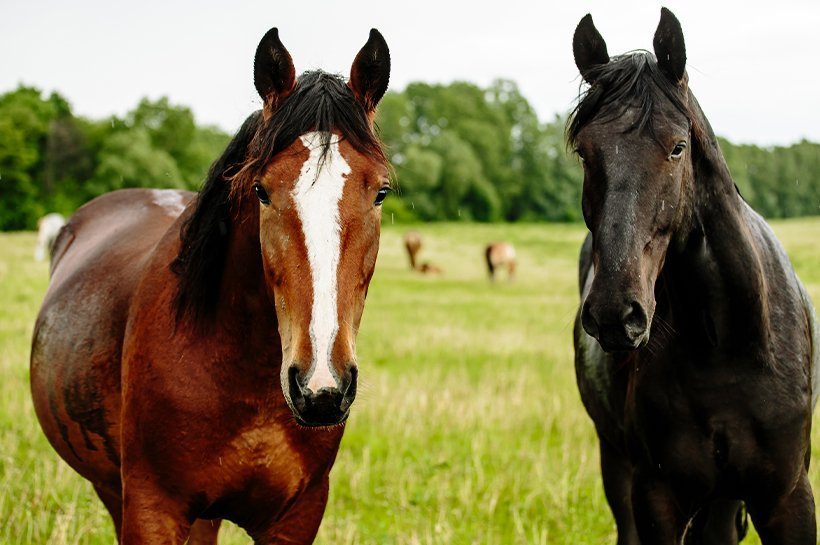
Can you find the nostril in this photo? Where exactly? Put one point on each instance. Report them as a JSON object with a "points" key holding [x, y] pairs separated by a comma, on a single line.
{"points": [[297, 396], [634, 319], [349, 389], [588, 320]]}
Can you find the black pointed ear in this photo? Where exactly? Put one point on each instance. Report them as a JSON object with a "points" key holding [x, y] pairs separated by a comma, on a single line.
{"points": [[589, 47], [669, 47], [273, 73], [370, 72]]}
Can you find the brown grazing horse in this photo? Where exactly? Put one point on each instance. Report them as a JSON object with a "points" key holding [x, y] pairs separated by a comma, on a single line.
{"points": [[500, 255], [412, 243], [194, 357], [696, 346]]}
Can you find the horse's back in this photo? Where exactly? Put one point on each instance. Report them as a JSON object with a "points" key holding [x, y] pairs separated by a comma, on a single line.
{"points": [[789, 300], [98, 260]]}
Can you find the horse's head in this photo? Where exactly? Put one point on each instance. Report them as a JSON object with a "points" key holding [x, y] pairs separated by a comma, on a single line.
{"points": [[320, 176], [633, 132]]}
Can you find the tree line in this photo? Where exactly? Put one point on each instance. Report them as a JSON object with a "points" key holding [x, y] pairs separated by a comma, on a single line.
{"points": [[54, 161], [459, 152]]}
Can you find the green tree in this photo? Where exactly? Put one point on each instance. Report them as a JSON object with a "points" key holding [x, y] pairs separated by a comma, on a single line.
{"points": [[128, 159], [419, 175], [172, 129], [25, 121]]}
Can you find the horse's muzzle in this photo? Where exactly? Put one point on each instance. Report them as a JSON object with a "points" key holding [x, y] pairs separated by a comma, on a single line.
{"points": [[328, 406], [618, 329]]}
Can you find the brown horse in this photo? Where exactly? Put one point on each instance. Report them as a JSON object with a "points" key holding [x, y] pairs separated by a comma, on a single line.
{"points": [[696, 345], [412, 243], [194, 357], [500, 255]]}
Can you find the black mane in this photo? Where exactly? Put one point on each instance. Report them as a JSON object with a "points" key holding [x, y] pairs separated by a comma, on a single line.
{"points": [[320, 102], [629, 80]]}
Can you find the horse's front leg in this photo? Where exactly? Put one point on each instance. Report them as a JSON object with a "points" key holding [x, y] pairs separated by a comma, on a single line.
{"points": [[299, 524], [789, 520], [616, 471], [150, 516], [720, 522], [659, 518]]}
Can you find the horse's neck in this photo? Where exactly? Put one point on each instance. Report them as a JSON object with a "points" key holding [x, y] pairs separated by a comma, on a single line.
{"points": [[244, 300], [722, 262]]}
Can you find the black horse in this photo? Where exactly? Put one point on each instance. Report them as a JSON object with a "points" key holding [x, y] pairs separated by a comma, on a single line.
{"points": [[696, 346]]}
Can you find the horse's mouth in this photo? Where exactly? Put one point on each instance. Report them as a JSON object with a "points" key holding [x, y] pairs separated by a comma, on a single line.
{"points": [[326, 423], [317, 415], [621, 343]]}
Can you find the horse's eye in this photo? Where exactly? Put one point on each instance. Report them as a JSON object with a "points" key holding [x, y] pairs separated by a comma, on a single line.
{"points": [[678, 150], [261, 194], [381, 195], [580, 155]]}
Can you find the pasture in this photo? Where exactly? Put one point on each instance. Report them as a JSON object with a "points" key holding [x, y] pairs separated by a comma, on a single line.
{"points": [[467, 429]]}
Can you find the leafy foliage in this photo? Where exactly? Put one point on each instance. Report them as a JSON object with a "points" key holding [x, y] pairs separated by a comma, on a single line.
{"points": [[465, 153], [460, 152], [52, 161]]}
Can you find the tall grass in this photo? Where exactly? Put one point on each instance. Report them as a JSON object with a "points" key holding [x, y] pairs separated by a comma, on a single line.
{"points": [[468, 427]]}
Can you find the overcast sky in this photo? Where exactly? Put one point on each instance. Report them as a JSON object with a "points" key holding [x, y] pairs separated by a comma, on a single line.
{"points": [[753, 65]]}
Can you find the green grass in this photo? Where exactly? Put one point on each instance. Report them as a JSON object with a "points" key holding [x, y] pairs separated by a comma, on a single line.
{"points": [[468, 427]]}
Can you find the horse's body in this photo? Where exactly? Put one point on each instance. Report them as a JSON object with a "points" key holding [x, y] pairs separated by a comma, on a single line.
{"points": [[500, 255], [179, 355], [48, 227], [696, 345]]}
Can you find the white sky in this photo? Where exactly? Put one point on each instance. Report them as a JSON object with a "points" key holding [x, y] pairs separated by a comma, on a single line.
{"points": [[753, 65]]}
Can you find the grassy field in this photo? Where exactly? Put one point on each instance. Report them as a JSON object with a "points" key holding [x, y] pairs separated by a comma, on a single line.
{"points": [[468, 428]]}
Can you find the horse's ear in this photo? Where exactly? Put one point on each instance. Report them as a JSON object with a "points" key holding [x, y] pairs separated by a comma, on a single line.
{"points": [[370, 72], [669, 47], [273, 73], [589, 47]]}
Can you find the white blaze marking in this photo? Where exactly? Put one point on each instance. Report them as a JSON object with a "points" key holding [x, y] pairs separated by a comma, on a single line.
{"points": [[317, 194], [169, 199]]}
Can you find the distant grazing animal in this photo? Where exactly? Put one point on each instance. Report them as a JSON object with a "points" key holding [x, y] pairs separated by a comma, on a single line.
{"points": [[430, 268], [500, 255], [696, 346], [194, 357], [412, 242], [47, 229]]}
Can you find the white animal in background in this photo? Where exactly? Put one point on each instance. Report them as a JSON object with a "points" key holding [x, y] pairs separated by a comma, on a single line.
{"points": [[47, 229]]}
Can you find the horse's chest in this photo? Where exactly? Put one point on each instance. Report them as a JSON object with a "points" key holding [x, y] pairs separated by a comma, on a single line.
{"points": [[278, 454], [676, 428], [266, 467], [704, 425]]}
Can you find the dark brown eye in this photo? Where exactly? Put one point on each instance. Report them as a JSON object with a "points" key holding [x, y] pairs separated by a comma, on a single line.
{"points": [[261, 194], [677, 150], [381, 195]]}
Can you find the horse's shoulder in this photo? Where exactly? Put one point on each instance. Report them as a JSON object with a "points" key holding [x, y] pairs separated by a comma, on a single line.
{"points": [[601, 383]]}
